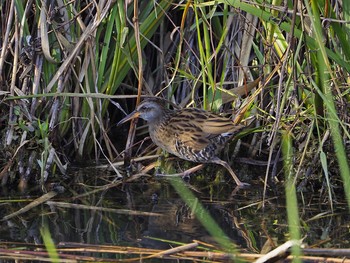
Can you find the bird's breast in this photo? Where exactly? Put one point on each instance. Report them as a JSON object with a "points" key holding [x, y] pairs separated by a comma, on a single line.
{"points": [[163, 138]]}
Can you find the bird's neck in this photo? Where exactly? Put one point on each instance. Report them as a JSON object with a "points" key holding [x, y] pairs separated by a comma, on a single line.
{"points": [[162, 119]]}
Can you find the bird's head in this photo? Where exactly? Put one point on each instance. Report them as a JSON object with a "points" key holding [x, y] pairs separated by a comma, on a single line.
{"points": [[151, 110]]}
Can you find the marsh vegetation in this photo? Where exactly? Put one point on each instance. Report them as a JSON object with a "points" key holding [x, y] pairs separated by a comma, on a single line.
{"points": [[69, 71]]}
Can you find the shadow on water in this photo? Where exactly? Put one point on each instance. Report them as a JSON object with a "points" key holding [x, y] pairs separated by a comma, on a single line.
{"points": [[148, 212]]}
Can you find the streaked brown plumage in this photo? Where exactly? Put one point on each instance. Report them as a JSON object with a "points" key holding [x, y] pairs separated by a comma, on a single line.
{"points": [[192, 134]]}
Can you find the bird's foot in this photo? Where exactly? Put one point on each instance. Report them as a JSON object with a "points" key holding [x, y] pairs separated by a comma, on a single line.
{"points": [[239, 187]]}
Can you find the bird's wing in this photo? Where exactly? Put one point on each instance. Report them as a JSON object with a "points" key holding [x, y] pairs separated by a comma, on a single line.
{"points": [[195, 128]]}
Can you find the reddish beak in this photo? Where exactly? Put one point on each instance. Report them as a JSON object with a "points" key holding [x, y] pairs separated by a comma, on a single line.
{"points": [[133, 115]]}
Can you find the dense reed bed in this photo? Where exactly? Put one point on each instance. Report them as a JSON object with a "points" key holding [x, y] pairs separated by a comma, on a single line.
{"points": [[70, 70]]}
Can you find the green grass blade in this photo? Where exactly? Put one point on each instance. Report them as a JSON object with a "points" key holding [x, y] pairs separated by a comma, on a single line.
{"points": [[291, 197]]}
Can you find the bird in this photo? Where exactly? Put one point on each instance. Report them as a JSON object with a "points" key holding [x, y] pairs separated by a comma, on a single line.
{"points": [[191, 134]]}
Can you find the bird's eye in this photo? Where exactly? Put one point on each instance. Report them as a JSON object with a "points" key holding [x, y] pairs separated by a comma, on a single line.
{"points": [[145, 108]]}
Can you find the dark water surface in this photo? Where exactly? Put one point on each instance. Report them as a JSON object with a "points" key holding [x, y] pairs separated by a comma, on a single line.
{"points": [[241, 215]]}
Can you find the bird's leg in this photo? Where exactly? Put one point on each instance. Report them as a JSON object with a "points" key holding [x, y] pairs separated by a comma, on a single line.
{"points": [[226, 165], [192, 170], [188, 171]]}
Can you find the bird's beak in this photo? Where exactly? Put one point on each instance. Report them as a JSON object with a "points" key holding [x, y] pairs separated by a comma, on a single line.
{"points": [[133, 115]]}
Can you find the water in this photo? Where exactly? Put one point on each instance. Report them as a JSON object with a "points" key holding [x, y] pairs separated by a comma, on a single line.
{"points": [[147, 212]]}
